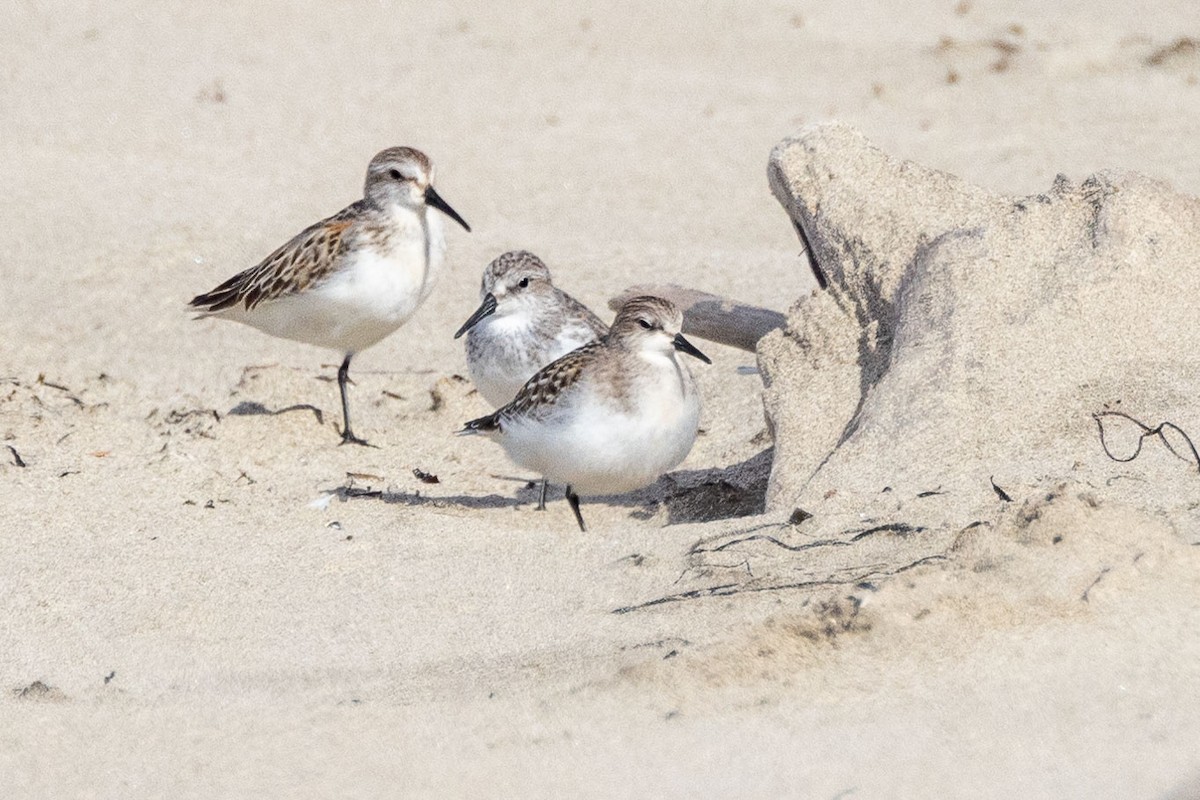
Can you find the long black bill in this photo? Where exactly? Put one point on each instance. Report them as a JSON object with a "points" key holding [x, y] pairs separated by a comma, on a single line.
{"points": [[684, 346], [487, 307], [434, 199]]}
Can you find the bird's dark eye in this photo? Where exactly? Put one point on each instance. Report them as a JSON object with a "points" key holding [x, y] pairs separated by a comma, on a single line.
{"points": [[395, 175], [523, 283], [645, 324]]}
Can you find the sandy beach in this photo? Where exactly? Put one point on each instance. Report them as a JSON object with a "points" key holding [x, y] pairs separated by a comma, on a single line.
{"points": [[204, 598]]}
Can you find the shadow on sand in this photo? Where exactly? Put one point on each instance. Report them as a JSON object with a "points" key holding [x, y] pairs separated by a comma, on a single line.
{"points": [[688, 496]]}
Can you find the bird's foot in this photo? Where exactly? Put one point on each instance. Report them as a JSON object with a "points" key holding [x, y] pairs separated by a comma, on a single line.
{"points": [[348, 437]]}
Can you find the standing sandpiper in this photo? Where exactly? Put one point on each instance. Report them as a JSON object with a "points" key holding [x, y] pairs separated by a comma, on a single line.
{"points": [[523, 323], [349, 280], [611, 416]]}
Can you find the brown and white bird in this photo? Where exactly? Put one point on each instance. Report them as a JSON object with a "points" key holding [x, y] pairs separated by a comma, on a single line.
{"points": [[351, 279], [611, 416]]}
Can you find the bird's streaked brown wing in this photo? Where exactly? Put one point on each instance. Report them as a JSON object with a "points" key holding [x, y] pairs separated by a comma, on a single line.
{"points": [[308, 258], [541, 392]]}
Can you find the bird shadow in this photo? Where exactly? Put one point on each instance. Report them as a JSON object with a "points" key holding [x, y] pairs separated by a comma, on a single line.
{"points": [[702, 495], [249, 408], [418, 500], [716, 493], [698, 495]]}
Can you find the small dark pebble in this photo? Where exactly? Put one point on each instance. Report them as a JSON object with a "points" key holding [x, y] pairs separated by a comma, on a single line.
{"points": [[798, 516]]}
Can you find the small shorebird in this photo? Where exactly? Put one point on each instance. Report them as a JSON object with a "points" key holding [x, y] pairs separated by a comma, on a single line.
{"points": [[523, 323], [611, 416], [351, 279]]}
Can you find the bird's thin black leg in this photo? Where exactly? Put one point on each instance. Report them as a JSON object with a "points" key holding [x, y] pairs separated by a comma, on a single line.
{"points": [[541, 506], [573, 499], [348, 436]]}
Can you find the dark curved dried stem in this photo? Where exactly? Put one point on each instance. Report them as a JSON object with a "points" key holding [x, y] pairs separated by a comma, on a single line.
{"points": [[1147, 432]]}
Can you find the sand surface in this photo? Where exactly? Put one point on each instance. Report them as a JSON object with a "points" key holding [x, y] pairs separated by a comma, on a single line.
{"points": [[203, 600]]}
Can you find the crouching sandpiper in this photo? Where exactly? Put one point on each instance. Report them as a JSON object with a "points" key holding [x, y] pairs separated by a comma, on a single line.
{"points": [[611, 416]]}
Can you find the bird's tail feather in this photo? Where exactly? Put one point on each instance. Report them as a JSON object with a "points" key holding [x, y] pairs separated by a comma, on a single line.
{"points": [[482, 426]]}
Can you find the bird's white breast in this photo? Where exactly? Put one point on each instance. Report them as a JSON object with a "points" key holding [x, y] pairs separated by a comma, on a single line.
{"points": [[381, 281]]}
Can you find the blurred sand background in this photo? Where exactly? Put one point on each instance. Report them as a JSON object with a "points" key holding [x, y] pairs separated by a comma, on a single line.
{"points": [[195, 603]]}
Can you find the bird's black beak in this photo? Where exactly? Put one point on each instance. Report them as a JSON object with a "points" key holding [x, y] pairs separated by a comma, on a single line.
{"points": [[487, 307], [434, 199], [683, 345]]}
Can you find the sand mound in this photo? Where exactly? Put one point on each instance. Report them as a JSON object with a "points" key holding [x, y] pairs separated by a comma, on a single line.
{"points": [[967, 341]]}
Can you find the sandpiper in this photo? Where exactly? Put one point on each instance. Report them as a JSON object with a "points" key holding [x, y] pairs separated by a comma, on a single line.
{"points": [[611, 416], [351, 279], [522, 324]]}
